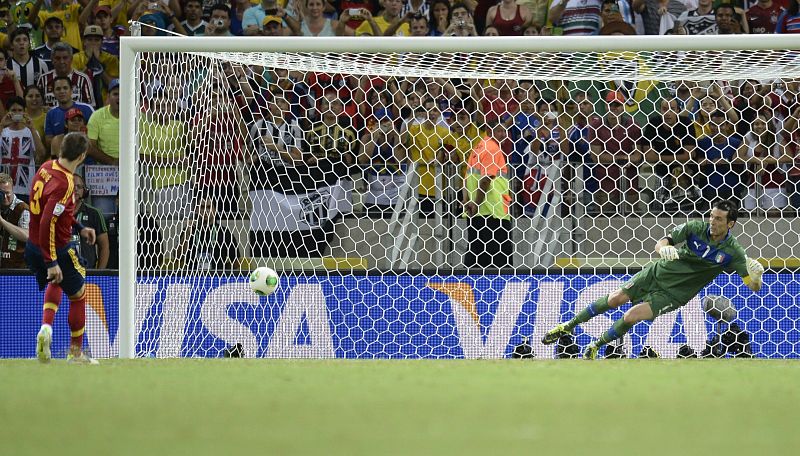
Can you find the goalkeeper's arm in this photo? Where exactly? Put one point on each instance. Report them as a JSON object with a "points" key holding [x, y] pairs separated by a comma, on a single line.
{"points": [[666, 250], [754, 271]]}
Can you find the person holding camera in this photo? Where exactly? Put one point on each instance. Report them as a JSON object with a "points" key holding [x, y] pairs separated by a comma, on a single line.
{"points": [[219, 24], [461, 22], [21, 147], [362, 14]]}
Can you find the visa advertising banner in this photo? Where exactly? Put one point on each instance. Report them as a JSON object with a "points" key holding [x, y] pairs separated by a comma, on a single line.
{"points": [[386, 316]]}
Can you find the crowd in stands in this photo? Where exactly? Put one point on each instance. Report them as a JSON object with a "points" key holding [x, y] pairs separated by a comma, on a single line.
{"points": [[635, 147]]}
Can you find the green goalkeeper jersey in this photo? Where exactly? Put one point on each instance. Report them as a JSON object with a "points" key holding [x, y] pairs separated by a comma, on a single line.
{"points": [[701, 260]]}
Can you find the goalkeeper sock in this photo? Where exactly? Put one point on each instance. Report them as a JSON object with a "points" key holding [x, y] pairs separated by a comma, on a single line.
{"points": [[52, 298], [617, 330], [77, 320], [593, 309]]}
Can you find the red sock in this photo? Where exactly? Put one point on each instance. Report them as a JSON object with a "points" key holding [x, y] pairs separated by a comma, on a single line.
{"points": [[52, 298], [77, 320]]}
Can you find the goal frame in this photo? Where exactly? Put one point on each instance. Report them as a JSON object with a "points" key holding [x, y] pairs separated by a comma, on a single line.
{"points": [[130, 46]]}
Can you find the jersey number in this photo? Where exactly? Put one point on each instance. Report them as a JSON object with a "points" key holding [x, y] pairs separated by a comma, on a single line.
{"points": [[36, 209]]}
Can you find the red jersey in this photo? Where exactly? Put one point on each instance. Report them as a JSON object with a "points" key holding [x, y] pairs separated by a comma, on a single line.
{"points": [[52, 209], [82, 90], [764, 20]]}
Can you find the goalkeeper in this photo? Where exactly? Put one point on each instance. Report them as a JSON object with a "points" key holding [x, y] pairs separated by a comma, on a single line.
{"points": [[669, 283]]}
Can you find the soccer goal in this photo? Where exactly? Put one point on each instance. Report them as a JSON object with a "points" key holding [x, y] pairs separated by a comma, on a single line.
{"points": [[346, 165]]}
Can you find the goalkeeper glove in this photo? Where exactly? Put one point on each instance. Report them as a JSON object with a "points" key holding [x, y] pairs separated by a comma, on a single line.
{"points": [[668, 252], [754, 268]]}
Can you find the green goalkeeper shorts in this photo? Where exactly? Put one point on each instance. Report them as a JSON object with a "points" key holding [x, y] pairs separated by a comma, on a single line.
{"points": [[642, 287]]}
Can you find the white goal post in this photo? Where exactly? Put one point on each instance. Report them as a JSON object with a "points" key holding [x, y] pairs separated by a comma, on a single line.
{"points": [[511, 59]]}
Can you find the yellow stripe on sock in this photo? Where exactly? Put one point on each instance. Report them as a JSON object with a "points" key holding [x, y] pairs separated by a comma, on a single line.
{"points": [[78, 332], [51, 305]]}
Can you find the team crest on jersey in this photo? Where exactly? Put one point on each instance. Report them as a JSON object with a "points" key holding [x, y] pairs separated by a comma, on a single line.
{"points": [[59, 209], [720, 258]]}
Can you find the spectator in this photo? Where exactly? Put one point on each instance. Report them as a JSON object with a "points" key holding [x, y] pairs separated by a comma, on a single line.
{"points": [[416, 7], [96, 255], [34, 107], [9, 87], [538, 9], [68, 13], [789, 20], [508, 18], [381, 157], [254, 16], [278, 143], [486, 200], [149, 241], [617, 27], [21, 148], [162, 154], [74, 123], [659, 15], [669, 145], [80, 83], [272, 26], [616, 10], [238, 8], [701, 20], [425, 145], [717, 153], [193, 24], [100, 65], [220, 22], [14, 218], [53, 32], [217, 149], [546, 151], [769, 160], [615, 147], [26, 67], [391, 14], [417, 24], [438, 17], [727, 23], [103, 132], [713, 100], [333, 144], [315, 23], [54, 123], [461, 22], [579, 148], [576, 17], [111, 31], [762, 17], [206, 244]]}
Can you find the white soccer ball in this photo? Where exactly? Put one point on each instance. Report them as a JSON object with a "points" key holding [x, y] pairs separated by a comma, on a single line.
{"points": [[264, 281]]}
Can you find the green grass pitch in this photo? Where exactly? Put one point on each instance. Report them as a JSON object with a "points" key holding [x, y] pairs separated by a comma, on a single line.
{"points": [[331, 407]]}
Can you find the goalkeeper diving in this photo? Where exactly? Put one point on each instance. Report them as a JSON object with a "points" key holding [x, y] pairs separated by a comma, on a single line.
{"points": [[669, 283]]}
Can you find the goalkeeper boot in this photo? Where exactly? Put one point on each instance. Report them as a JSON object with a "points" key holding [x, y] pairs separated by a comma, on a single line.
{"points": [[80, 357], [553, 335], [591, 351], [43, 340]]}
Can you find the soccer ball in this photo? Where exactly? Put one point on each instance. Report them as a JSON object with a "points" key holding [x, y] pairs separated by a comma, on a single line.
{"points": [[719, 308], [263, 281]]}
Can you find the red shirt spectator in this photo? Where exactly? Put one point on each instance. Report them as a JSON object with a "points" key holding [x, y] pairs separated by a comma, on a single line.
{"points": [[763, 16]]}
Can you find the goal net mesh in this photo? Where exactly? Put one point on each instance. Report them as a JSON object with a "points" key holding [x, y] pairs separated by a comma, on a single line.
{"points": [[346, 173]]}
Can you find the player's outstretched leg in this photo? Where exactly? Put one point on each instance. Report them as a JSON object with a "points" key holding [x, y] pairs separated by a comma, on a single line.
{"points": [[77, 323], [593, 309], [634, 315]]}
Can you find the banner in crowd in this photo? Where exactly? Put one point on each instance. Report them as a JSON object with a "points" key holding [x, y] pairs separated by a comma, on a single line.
{"points": [[103, 180], [385, 316]]}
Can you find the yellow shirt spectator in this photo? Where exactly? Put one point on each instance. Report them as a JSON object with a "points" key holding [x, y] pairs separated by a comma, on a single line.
{"points": [[103, 128], [383, 24], [424, 142], [69, 15], [166, 141]]}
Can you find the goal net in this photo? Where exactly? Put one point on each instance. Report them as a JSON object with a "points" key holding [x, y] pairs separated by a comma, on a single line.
{"points": [[352, 174]]}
